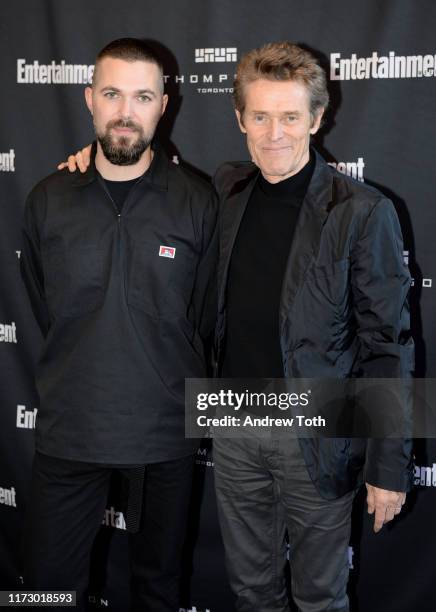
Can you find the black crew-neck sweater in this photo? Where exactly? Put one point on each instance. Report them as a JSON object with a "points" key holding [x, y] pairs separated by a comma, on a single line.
{"points": [[257, 267], [119, 190]]}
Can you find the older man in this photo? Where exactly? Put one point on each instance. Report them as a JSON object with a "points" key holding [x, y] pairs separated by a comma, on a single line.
{"points": [[311, 284], [118, 263]]}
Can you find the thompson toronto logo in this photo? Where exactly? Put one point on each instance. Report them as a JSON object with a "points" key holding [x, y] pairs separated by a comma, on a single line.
{"points": [[8, 332], [54, 73], [375, 66], [7, 161], [216, 54], [216, 80], [426, 283], [203, 458], [98, 601]]}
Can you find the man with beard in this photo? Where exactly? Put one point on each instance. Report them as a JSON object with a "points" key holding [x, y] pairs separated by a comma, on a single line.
{"points": [[118, 264]]}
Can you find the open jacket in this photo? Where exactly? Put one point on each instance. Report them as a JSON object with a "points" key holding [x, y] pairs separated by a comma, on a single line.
{"points": [[343, 309]]}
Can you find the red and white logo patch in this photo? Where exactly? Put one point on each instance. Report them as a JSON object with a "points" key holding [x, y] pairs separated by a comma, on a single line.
{"points": [[166, 251]]}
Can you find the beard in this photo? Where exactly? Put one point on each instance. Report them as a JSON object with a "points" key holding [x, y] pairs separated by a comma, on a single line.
{"points": [[121, 151]]}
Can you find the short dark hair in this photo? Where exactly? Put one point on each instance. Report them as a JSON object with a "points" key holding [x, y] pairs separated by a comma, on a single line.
{"points": [[282, 61], [130, 50]]}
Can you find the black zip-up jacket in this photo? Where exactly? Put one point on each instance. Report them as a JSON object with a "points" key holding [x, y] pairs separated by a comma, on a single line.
{"points": [[125, 302], [343, 309]]}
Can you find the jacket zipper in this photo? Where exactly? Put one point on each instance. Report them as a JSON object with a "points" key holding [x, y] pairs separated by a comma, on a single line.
{"points": [[119, 217], [120, 253]]}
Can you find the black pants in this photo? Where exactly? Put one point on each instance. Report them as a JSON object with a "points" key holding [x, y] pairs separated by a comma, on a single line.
{"points": [[263, 489], [66, 509]]}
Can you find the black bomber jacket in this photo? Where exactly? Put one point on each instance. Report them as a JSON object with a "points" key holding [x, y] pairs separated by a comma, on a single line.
{"points": [[125, 302], [343, 310]]}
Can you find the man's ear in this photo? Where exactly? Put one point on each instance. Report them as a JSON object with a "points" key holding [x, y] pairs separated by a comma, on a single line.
{"points": [[317, 122], [240, 121], [164, 103], [88, 98]]}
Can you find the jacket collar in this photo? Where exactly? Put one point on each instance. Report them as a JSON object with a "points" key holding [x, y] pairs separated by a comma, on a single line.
{"points": [[156, 175], [313, 214], [305, 245], [233, 210], [320, 190]]}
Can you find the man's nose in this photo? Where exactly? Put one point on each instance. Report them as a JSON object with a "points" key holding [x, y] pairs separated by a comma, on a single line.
{"points": [[125, 108], [276, 129]]}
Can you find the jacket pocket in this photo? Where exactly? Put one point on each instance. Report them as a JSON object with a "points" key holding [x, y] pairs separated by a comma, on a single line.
{"points": [[160, 286], [331, 269], [73, 280], [328, 284]]}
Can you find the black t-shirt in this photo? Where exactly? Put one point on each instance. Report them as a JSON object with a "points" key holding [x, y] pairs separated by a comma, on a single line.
{"points": [[257, 267], [119, 190]]}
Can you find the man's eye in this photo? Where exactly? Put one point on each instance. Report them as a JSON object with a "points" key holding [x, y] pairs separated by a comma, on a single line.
{"points": [[259, 118], [110, 94], [290, 118], [144, 98]]}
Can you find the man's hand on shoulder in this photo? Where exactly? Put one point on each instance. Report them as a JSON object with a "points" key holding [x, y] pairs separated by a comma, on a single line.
{"points": [[80, 160], [385, 504]]}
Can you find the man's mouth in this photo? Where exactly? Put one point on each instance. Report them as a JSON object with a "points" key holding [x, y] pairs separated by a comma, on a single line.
{"points": [[276, 149], [123, 130]]}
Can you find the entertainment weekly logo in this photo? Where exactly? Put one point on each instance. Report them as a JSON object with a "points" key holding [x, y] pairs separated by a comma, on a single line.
{"points": [[7, 161], [350, 168], [425, 476], [114, 518], [58, 72], [375, 66], [8, 497], [8, 333], [25, 419]]}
